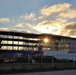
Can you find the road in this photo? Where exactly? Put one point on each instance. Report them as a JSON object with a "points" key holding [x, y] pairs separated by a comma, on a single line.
{"points": [[65, 72]]}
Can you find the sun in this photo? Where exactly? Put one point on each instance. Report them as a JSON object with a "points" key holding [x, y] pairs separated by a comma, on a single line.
{"points": [[46, 40]]}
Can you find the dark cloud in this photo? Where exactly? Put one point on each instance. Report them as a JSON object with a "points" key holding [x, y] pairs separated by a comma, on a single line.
{"points": [[71, 26], [72, 32], [69, 29]]}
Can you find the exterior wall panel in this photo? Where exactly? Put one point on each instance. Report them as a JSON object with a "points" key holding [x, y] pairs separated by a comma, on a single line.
{"points": [[72, 46]]}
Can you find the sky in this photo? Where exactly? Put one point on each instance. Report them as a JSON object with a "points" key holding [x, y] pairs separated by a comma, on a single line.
{"points": [[56, 17]]}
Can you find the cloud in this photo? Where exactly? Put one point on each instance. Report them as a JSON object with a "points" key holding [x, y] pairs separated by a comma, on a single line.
{"points": [[4, 19], [72, 33], [57, 27], [49, 10], [58, 21], [46, 26], [61, 25], [49, 26], [20, 25], [22, 31], [70, 13], [28, 16], [4, 29], [43, 29], [41, 17], [71, 25], [69, 29], [69, 33], [14, 30], [32, 26]]}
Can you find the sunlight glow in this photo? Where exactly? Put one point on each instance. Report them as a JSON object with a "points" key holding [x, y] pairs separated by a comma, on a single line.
{"points": [[46, 40], [48, 29]]}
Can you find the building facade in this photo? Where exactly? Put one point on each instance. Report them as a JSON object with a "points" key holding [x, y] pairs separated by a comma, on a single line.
{"points": [[10, 40]]}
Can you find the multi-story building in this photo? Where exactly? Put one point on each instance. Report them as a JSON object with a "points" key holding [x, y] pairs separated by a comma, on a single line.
{"points": [[11, 40]]}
